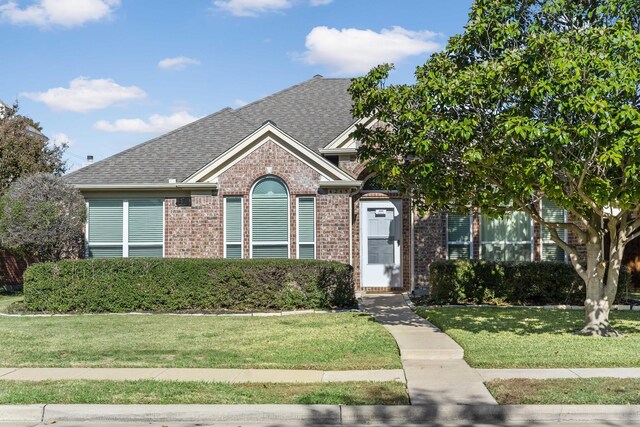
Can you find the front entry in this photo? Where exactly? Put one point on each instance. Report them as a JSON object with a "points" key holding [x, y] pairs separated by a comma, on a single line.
{"points": [[380, 243]]}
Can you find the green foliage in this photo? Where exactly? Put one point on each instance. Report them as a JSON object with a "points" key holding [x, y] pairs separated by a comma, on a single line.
{"points": [[156, 284], [23, 149], [527, 283], [42, 217], [537, 98]]}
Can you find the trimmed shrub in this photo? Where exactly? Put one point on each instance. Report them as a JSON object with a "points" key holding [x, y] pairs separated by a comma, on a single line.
{"points": [[525, 283], [162, 285]]}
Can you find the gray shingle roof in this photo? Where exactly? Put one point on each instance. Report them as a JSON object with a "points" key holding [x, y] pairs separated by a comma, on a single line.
{"points": [[314, 112]]}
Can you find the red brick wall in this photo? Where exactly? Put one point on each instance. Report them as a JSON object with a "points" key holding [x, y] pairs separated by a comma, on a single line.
{"points": [[11, 268], [197, 230], [430, 244], [193, 227]]}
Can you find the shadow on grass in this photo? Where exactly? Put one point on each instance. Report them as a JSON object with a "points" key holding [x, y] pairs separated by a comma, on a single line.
{"points": [[521, 321]]}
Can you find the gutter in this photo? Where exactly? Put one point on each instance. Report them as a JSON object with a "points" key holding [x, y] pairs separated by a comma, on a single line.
{"points": [[338, 151], [147, 187], [341, 184]]}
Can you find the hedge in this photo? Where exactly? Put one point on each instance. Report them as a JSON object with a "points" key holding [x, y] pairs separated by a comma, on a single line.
{"points": [[191, 285], [525, 283]]}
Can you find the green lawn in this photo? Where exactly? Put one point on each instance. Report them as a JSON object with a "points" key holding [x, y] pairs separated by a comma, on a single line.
{"points": [[7, 299], [494, 337], [174, 392], [582, 391], [337, 341]]}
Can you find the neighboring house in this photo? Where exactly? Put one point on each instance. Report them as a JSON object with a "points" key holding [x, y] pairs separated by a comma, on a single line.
{"points": [[279, 178]]}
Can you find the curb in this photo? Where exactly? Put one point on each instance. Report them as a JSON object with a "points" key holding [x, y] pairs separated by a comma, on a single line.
{"points": [[320, 414]]}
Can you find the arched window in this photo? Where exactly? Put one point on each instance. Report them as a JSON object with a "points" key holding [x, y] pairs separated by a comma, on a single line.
{"points": [[270, 219]]}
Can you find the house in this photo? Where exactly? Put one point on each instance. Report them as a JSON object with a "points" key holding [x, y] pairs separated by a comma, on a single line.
{"points": [[279, 178]]}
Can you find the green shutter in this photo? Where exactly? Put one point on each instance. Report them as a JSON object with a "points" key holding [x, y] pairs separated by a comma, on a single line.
{"points": [[105, 251], [270, 251], [145, 221], [552, 213], [233, 227], [145, 251], [458, 251], [458, 228], [105, 221], [513, 227], [233, 219], [306, 220], [234, 251], [552, 252], [306, 251], [306, 227]]}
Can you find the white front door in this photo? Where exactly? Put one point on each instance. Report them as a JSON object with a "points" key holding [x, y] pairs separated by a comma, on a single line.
{"points": [[380, 242]]}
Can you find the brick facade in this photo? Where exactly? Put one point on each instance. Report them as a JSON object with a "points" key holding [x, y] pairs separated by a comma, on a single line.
{"points": [[194, 226], [12, 267]]}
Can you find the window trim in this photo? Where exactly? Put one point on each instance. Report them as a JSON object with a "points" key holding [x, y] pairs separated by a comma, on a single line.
{"points": [[454, 242], [226, 242], [270, 243], [531, 241], [315, 227], [125, 228]]}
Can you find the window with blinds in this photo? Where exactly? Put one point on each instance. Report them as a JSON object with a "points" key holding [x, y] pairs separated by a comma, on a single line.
{"points": [[506, 239], [552, 213], [306, 228], [125, 228], [270, 219], [459, 236], [105, 228], [233, 227]]}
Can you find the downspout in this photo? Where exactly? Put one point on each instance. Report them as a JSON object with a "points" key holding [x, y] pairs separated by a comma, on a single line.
{"points": [[351, 194], [413, 249]]}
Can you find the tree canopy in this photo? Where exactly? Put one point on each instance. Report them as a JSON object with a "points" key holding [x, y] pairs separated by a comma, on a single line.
{"points": [[536, 98], [43, 217], [23, 148]]}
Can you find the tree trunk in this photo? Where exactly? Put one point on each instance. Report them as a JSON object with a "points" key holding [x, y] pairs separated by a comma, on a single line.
{"points": [[600, 294]]}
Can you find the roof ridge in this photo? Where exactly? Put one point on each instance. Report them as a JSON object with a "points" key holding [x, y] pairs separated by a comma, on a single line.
{"points": [[287, 89], [142, 144]]}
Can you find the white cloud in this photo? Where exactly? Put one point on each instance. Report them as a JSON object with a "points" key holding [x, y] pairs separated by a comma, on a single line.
{"points": [[352, 51], [252, 7], [64, 13], [319, 2], [61, 138], [85, 95], [239, 102], [177, 63], [156, 123]]}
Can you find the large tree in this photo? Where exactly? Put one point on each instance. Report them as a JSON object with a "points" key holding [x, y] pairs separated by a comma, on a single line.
{"points": [[24, 150], [537, 98], [43, 217]]}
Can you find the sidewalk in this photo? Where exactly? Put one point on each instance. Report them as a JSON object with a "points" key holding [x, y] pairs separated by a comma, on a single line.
{"points": [[210, 375], [432, 362], [545, 374]]}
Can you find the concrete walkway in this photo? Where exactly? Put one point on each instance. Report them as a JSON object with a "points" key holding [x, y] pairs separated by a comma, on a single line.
{"points": [[211, 375], [432, 362], [544, 374]]}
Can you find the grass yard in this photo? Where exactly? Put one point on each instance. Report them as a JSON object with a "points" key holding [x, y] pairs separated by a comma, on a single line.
{"points": [[580, 391], [7, 299], [175, 392], [495, 337], [337, 341]]}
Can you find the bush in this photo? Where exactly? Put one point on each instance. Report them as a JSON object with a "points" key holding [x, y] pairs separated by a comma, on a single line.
{"points": [[156, 284], [525, 283]]}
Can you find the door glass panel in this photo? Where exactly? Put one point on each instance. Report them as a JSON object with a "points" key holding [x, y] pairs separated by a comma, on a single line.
{"points": [[380, 251], [380, 239]]}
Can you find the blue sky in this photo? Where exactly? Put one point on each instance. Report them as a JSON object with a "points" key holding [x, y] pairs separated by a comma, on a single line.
{"points": [[105, 75]]}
